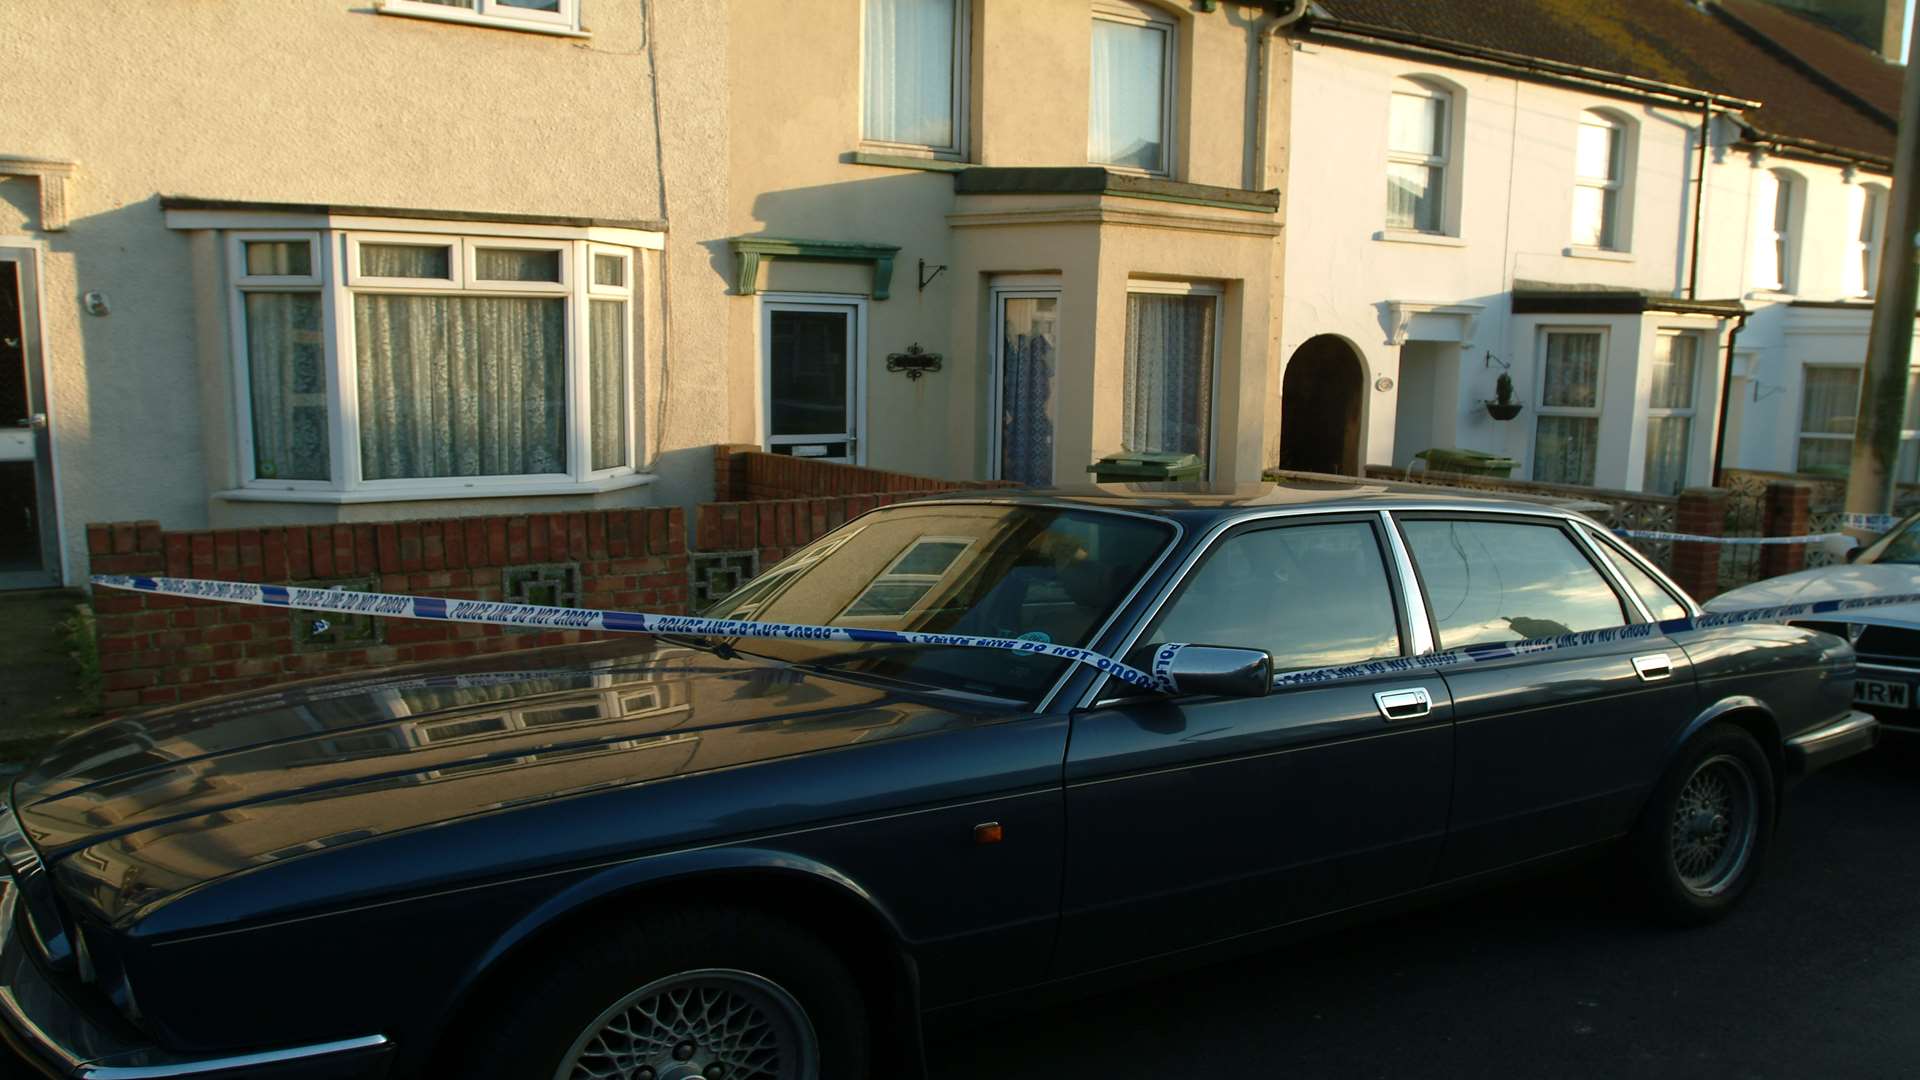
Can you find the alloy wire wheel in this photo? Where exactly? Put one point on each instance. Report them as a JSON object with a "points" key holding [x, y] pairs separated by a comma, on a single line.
{"points": [[709, 1024], [1712, 831]]}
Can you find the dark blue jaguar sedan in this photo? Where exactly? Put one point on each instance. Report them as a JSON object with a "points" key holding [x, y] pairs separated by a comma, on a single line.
{"points": [[662, 859]]}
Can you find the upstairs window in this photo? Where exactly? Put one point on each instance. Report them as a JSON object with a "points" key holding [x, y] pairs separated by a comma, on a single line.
{"points": [[548, 16], [1863, 251], [1130, 99], [915, 74], [1776, 245], [1419, 141], [1600, 182]]}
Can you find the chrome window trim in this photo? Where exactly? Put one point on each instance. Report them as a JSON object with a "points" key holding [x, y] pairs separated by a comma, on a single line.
{"points": [[1413, 598], [1227, 522], [1611, 545], [1140, 582], [1598, 554]]}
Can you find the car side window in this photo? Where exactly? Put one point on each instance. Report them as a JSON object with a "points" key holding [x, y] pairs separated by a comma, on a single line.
{"points": [[1663, 604], [1312, 595], [1497, 581]]}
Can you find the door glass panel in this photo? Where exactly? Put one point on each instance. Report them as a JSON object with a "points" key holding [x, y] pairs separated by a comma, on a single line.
{"points": [[808, 377], [13, 351], [1495, 581], [1028, 343], [1312, 595], [19, 524]]}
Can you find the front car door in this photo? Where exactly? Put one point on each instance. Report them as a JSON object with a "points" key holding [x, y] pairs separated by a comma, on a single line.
{"points": [[1192, 820], [1553, 750]]}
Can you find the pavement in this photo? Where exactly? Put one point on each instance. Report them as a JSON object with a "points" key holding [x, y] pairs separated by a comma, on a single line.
{"points": [[1815, 975]]}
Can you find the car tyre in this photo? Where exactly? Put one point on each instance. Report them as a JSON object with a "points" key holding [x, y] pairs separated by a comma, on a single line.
{"points": [[1700, 841], [675, 992]]}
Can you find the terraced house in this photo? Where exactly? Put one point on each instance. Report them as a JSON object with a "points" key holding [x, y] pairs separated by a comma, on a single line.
{"points": [[1659, 219]]}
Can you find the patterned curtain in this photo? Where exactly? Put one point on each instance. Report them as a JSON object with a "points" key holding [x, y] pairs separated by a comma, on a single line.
{"points": [[1667, 440], [1565, 449], [607, 375], [461, 385], [909, 71], [1829, 403], [1169, 374], [287, 383], [1026, 393], [1573, 371]]}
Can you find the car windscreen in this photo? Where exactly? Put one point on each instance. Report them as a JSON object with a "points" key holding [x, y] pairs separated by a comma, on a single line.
{"points": [[1902, 545], [1041, 573]]}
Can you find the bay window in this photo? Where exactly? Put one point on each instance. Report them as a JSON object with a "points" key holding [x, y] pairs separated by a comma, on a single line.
{"points": [[1566, 434], [1670, 412], [1172, 349], [914, 70], [1829, 408], [423, 365], [1130, 99]]}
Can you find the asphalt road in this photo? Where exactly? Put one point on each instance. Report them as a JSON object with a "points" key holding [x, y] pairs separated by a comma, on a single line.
{"points": [[1818, 974]]}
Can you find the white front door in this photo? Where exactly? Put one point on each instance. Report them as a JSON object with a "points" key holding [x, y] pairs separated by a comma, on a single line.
{"points": [[29, 531], [812, 354]]}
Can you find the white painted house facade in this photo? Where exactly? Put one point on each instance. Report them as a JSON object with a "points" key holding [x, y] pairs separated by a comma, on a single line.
{"points": [[1454, 219]]}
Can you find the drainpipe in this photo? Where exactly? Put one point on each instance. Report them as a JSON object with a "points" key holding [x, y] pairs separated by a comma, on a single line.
{"points": [[1726, 390], [1699, 200], [1263, 60]]}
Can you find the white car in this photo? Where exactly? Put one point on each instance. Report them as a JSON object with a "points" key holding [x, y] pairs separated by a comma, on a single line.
{"points": [[1887, 639]]}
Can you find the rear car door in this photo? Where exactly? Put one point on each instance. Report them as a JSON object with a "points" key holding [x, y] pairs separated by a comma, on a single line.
{"points": [[1554, 749], [1196, 819]]}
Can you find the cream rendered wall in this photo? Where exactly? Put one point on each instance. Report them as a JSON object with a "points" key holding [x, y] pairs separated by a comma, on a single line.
{"points": [[796, 125], [1515, 177], [327, 101]]}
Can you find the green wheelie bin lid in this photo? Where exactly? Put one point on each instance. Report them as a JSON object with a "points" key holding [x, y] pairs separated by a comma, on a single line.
{"points": [[1147, 467]]}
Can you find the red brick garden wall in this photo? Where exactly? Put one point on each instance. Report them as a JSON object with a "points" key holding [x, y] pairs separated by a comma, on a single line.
{"points": [[744, 473], [158, 650]]}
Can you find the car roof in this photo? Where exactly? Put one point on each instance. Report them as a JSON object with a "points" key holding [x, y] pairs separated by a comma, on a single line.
{"points": [[1332, 496]]}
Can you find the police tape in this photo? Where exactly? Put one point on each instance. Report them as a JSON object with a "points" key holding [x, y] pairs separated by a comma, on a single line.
{"points": [[1699, 538], [1870, 522], [500, 613]]}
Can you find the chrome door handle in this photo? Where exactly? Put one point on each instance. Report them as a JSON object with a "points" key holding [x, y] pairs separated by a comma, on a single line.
{"points": [[1653, 667], [36, 421], [1404, 704]]}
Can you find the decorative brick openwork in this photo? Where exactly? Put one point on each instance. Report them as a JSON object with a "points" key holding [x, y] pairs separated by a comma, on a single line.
{"points": [[717, 573], [159, 650], [315, 631]]}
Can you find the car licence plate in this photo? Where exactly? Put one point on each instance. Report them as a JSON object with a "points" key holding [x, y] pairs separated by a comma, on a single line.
{"points": [[1892, 695]]}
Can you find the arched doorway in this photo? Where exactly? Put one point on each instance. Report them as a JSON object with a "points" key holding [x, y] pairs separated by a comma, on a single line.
{"points": [[1320, 408]]}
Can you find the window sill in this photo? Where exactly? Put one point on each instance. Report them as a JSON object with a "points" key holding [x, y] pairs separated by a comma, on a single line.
{"points": [[1771, 294], [1410, 236], [906, 161], [1575, 251], [470, 18], [437, 492]]}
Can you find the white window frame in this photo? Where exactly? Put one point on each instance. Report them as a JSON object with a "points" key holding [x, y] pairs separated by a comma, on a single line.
{"points": [[336, 280], [1540, 391], [891, 576], [495, 13], [1219, 295], [1415, 86], [1621, 186], [962, 101], [1907, 435], [856, 361], [1691, 412], [1784, 244], [1863, 254], [1144, 15]]}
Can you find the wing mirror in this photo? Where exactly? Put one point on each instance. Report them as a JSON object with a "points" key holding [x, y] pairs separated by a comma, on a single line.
{"points": [[1216, 670]]}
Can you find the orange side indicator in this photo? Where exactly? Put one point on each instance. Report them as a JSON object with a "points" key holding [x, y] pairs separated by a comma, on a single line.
{"points": [[988, 832]]}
